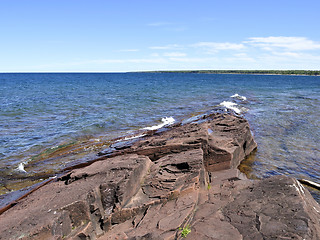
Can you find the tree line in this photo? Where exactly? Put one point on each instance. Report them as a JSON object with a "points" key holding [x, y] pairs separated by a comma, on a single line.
{"points": [[274, 72]]}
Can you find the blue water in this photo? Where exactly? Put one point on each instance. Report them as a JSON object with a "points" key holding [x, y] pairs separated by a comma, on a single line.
{"points": [[50, 120]]}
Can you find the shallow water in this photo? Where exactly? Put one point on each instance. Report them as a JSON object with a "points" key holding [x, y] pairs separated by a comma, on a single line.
{"points": [[50, 121]]}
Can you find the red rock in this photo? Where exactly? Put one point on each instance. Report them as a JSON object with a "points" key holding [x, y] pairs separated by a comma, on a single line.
{"points": [[225, 140], [150, 189]]}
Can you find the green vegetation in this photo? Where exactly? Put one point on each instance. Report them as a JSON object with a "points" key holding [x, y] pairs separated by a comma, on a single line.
{"points": [[185, 231], [273, 72]]}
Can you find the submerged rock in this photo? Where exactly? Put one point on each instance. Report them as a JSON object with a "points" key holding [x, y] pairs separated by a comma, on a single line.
{"points": [[183, 178]]}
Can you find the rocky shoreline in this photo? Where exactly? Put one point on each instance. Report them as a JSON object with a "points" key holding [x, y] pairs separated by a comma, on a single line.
{"points": [[180, 182]]}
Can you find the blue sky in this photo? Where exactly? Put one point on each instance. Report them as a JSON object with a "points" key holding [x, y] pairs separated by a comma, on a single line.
{"points": [[137, 35]]}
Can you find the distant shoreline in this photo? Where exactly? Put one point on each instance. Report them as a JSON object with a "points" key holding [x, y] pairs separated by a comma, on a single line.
{"points": [[254, 72], [251, 72]]}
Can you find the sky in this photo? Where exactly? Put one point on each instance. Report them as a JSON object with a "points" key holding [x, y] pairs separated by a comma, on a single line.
{"points": [[147, 35]]}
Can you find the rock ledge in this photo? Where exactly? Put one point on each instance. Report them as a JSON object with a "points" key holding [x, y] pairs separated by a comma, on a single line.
{"points": [[154, 187]]}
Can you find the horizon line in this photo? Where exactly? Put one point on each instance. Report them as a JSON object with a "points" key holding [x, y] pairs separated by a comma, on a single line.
{"points": [[137, 71]]}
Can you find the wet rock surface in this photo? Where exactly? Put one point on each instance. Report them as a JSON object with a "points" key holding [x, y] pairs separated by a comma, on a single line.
{"points": [[157, 187]]}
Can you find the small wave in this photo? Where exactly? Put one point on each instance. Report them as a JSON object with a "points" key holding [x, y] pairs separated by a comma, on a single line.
{"points": [[231, 105], [165, 122], [133, 137], [237, 96], [21, 168]]}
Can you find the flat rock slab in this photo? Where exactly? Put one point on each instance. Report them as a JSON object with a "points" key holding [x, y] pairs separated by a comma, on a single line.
{"points": [[275, 208]]}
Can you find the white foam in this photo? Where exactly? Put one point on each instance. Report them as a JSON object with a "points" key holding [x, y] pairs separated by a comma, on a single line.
{"points": [[133, 137], [165, 122], [231, 105], [243, 98], [129, 138], [21, 168]]}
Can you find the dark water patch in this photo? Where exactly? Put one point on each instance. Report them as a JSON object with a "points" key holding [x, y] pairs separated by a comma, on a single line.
{"points": [[315, 194], [286, 170], [272, 173], [284, 147]]}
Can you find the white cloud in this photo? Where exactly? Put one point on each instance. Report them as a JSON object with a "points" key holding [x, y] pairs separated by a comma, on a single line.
{"points": [[240, 55], [289, 43], [292, 57], [154, 55], [174, 54], [191, 60], [134, 60], [213, 47], [287, 54], [166, 47], [244, 57], [283, 53], [107, 61]]}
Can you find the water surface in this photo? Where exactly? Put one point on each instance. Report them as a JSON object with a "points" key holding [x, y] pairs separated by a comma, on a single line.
{"points": [[50, 120]]}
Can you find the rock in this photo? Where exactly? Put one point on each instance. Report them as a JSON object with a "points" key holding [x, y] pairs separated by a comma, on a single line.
{"points": [[279, 207], [90, 201], [275, 208], [185, 177], [76, 199], [225, 140]]}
